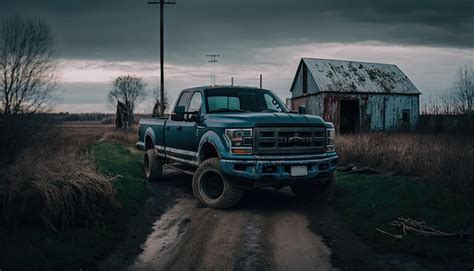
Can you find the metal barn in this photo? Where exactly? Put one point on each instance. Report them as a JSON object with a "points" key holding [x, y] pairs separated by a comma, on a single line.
{"points": [[356, 96]]}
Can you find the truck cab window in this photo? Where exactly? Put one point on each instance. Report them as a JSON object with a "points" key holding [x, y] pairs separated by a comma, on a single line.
{"points": [[196, 103], [183, 99], [223, 102], [272, 104], [242, 100]]}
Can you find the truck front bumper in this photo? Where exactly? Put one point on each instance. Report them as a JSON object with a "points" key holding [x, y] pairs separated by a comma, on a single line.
{"points": [[263, 172]]}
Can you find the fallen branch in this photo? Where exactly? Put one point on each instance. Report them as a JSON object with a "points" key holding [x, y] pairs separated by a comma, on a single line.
{"points": [[398, 236], [419, 227]]}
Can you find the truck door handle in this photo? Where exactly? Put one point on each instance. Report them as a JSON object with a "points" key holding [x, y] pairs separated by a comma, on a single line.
{"points": [[179, 128], [167, 128]]}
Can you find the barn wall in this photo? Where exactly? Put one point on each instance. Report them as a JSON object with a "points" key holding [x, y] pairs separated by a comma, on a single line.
{"points": [[297, 89], [371, 109], [331, 104], [394, 107], [313, 103], [312, 86]]}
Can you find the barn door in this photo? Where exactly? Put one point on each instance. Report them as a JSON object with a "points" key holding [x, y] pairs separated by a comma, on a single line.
{"points": [[349, 116]]}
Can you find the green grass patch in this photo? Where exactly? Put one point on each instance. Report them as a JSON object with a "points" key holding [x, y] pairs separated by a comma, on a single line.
{"points": [[82, 247], [370, 202], [114, 159]]}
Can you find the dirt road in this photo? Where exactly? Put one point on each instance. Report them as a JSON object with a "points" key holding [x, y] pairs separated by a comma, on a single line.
{"points": [[269, 230], [264, 232]]}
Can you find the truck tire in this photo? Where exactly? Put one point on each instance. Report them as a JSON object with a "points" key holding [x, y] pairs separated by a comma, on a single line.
{"points": [[153, 166], [314, 190], [212, 188]]}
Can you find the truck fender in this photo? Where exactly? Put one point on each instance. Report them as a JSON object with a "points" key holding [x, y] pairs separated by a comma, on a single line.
{"points": [[212, 138], [151, 134]]}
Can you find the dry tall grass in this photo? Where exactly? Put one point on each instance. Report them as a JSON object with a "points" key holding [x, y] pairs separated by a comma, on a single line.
{"points": [[59, 192], [56, 185], [129, 138], [443, 158]]}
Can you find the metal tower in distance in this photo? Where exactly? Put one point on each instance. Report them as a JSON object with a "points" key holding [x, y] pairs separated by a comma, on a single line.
{"points": [[213, 60]]}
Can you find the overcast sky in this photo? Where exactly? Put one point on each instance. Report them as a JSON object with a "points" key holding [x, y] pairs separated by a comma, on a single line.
{"points": [[99, 40]]}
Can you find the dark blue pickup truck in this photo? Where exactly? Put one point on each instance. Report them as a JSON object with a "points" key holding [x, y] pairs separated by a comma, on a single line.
{"points": [[236, 138]]}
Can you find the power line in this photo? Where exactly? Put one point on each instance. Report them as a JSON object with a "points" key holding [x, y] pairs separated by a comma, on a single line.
{"points": [[162, 54], [213, 60]]}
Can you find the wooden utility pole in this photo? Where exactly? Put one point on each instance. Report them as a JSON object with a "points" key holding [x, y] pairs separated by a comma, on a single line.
{"points": [[162, 3], [261, 81]]}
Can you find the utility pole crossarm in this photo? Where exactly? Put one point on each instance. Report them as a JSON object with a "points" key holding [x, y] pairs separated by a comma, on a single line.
{"points": [[159, 2]]}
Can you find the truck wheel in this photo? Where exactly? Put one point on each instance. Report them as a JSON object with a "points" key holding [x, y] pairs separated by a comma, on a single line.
{"points": [[314, 190], [153, 166], [212, 188]]}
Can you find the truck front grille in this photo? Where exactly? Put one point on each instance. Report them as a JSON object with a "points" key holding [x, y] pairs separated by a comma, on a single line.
{"points": [[289, 140]]}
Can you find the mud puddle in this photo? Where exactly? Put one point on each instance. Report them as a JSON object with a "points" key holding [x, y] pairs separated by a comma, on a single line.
{"points": [[157, 249], [258, 237]]}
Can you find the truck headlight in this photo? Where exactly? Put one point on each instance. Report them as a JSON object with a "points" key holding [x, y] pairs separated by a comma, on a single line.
{"points": [[239, 140], [330, 140]]}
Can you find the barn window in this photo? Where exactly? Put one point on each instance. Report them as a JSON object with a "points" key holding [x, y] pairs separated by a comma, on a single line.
{"points": [[406, 116], [305, 79]]}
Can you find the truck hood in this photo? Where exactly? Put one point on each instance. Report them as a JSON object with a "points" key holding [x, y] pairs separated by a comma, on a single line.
{"points": [[251, 119]]}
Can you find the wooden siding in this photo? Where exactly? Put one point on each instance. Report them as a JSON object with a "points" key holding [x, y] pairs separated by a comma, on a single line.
{"points": [[298, 82], [376, 111]]}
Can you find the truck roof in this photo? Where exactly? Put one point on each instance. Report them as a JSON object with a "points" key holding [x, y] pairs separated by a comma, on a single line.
{"points": [[200, 88]]}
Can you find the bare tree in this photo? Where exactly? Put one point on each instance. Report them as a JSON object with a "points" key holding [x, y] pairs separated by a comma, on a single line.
{"points": [[129, 90], [28, 71], [158, 104], [456, 100], [464, 95], [442, 104]]}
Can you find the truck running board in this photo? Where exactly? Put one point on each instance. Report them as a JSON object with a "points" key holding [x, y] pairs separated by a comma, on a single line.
{"points": [[181, 168]]}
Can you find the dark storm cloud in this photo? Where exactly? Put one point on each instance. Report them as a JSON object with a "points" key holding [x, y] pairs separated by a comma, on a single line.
{"points": [[128, 29]]}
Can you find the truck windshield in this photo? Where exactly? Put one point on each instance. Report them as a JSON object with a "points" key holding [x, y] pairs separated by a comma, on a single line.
{"points": [[243, 100]]}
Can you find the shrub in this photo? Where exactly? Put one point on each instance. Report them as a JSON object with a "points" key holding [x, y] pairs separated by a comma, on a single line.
{"points": [[54, 189]]}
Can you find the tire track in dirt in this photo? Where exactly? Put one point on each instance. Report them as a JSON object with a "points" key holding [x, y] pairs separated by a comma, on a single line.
{"points": [[167, 230], [260, 238], [294, 246], [252, 251], [187, 237]]}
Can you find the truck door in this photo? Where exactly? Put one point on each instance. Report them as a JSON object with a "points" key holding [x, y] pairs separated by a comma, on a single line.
{"points": [[181, 137]]}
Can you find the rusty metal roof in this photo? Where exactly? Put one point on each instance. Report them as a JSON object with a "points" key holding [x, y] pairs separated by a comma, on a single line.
{"points": [[351, 76]]}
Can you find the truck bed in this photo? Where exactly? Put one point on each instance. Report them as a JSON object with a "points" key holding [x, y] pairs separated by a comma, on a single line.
{"points": [[155, 126]]}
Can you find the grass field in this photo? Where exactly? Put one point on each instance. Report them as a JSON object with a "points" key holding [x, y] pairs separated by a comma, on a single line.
{"points": [[365, 202], [370, 202], [444, 159], [81, 247]]}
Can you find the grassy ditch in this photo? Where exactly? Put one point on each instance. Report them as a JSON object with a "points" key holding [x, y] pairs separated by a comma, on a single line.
{"points": [[370, 202], [81, 246], [113, 159]]}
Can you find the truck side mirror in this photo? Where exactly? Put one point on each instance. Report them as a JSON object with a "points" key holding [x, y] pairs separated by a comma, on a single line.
{"points": [[178, 114], [194, 116], [302, 109]]}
